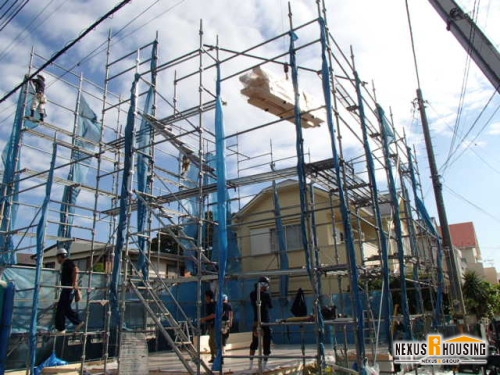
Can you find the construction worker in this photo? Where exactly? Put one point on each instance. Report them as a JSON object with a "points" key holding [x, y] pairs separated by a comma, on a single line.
{"points": [[209, 319], [39, 99], [69, 283], [186, 163], [227, 319], [265, 317]]}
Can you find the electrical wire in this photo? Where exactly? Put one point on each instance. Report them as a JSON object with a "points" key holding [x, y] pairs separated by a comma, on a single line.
{"points": [[67, 47], [457, 147], [5, 2], [26, 31], [465, 79], [480, 209], [473, 140], [14, 14], [8, 10]]}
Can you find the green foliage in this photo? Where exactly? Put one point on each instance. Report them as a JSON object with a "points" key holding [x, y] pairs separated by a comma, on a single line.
{"points": [[481, 297], [165, 242]]}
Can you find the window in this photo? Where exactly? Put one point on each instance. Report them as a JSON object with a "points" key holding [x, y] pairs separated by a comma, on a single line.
{"points": [[293, 235], [260, 241], [265, 240]]}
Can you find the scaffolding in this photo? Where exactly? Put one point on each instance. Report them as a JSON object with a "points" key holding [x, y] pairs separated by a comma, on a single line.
{"points": [[163, 192]]}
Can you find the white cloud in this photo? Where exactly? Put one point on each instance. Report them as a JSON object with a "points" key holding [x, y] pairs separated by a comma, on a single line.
{"points": [[494, 128], [377, 31]]}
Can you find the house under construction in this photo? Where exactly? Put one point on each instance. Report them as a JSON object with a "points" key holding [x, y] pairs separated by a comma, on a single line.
{"points": [[217, 167]]}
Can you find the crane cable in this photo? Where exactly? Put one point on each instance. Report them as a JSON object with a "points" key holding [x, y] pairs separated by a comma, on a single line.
{"points": [[465, 79], [412, 43], [66, 48]]}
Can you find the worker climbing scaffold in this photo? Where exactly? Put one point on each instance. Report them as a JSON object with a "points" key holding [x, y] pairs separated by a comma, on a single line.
{"points": [[39, 99]]}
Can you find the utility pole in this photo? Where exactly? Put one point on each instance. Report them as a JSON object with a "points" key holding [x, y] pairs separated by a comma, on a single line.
{"points": [[456, 286]]}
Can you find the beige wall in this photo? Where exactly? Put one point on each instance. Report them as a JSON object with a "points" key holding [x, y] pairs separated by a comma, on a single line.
{"points": [[490, 275], [257, 219]]}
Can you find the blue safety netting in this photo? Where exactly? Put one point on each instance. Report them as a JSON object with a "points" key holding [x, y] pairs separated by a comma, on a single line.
{"points": [[349, 238], [439, 259], [125, 198], [10, 180], [40, 244], [144, 166], [383, 240], [222, 210], [88, 134], [282, 247], [387, 138]]}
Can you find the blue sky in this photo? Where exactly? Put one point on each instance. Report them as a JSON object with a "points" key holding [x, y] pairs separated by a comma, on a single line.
{"points": [[378, 33]]}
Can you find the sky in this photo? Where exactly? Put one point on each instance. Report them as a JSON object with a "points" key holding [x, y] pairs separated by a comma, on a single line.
{"points": [[378, 34]]}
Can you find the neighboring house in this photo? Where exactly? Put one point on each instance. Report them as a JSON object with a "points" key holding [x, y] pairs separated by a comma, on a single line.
{"points": [[463, 236], [258, 240], [24, 259], [80, 252]]}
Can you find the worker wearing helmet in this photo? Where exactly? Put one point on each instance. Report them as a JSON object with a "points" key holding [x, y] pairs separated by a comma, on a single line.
{"points": [[227, 319], [69, 284], [209, 320], [265, 317], [39, 99]]}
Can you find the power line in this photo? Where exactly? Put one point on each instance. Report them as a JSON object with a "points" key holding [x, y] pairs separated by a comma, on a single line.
{"points": [[66, 48], [448, 159], [28, 29], [14, 14], [465, 79], [474, 139], [482, 210]]}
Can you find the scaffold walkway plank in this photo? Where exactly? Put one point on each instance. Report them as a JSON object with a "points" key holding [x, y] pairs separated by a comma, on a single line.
{"points": [[324, 179]]}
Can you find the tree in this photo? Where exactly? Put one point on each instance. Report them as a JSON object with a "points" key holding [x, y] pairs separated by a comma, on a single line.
{"points": [[479, 295]]}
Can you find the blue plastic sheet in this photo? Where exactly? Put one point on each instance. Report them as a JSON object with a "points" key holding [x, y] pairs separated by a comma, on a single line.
{"points": [[144, 166], [49, 362], [40, 244], [10, 182], [383, 240], [282, 247], [349, 238], [386, 139], [89, 134], [123, 218], [220, 147]]}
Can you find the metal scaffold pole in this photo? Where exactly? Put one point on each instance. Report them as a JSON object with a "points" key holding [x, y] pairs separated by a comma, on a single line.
{"points": [[382, 236], [305, 217], [327, 81]]}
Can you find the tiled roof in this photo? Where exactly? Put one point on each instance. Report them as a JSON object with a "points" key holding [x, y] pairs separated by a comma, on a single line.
{"points": [[463, 235]]}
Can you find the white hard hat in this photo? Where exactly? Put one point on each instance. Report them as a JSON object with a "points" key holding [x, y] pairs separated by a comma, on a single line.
{"points": [[62, 251]]}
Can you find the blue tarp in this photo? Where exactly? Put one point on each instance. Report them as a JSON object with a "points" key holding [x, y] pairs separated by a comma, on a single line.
{"points": [[40, 244], [349, 238], [387, 138], [439, 260], [10, 183], [88, 135], [383, 240], [282, 247], [125, 197], [222, 219], [144, 169]]}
